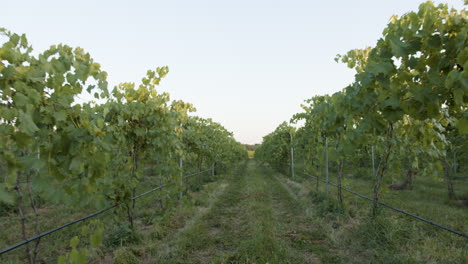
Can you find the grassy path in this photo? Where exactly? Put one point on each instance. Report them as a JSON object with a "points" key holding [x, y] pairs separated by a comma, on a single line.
{"points": [[257, 215], [255, 220]]}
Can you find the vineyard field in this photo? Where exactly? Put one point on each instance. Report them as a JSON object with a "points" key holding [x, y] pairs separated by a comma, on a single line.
{"points": [[375, 171]]}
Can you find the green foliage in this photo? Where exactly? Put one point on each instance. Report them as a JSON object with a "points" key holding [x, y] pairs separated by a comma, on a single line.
{"points": [[206, 142], [76, 256], [275, 149], [92, 153], [382, 238], [407, 102], [6, 208], [327, 207], [125, 256], [121, 236]]}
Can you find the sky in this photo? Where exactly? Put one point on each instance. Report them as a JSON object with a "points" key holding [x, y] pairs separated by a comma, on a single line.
{"points": [[247, 64]]}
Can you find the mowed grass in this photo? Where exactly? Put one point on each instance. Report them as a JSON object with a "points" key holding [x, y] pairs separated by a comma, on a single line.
{"points": [[257, 215], [153, 212], [391, 237], [255, 220]]}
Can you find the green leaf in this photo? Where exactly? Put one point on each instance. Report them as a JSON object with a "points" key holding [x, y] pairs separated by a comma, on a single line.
{"points": [[458, 96], [26, 124], [62, 260], [32, 162], [21, 100], [24, 41], [452, 78], [100, 122], [84, 230], [96, 238], [5, 196], [78, 256], [74, 242], [8, 72], [393, 101], [60, 116], [75, 163], [15, 39], [22, 139], [379, 67], [106, 111], [399, 48], [462, 125]]}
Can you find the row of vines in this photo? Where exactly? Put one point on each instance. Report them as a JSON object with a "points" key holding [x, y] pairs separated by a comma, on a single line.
{"points": [[55, 146], [406, 110]]}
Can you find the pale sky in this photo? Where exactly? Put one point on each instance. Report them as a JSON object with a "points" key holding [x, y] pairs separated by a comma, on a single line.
{"points": [[247, 64]]}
